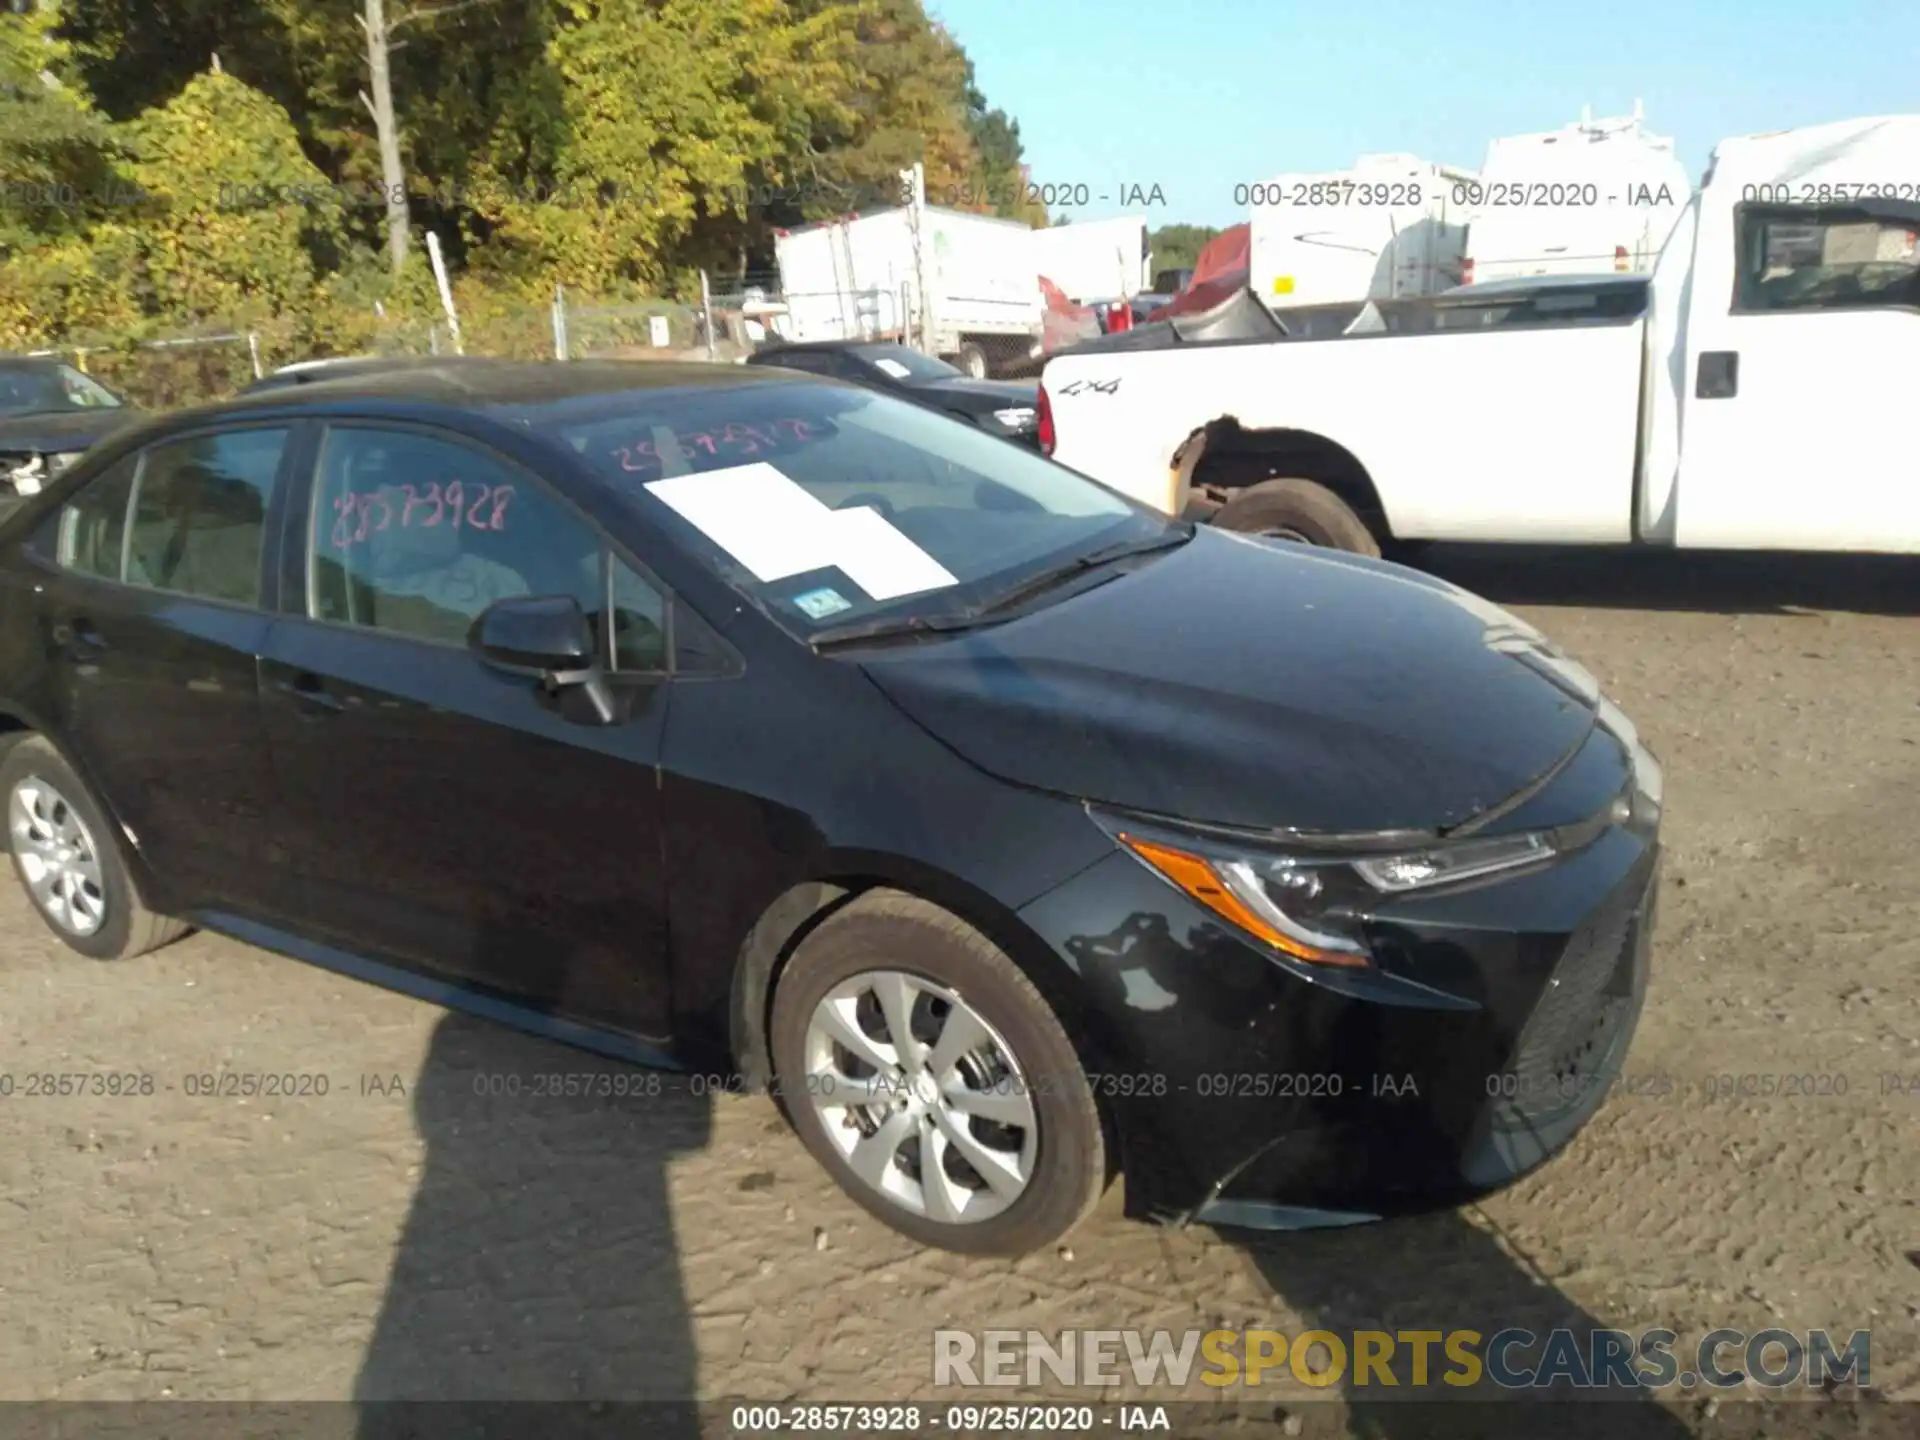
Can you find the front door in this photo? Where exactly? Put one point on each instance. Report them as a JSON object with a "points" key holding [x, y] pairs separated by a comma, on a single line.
{"points": [[449, 816], [1797, 433], [153, 622]]}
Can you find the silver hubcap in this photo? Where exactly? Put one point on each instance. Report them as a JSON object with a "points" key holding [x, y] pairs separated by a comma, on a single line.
{"points": [[56, 854], [921, 1096]]}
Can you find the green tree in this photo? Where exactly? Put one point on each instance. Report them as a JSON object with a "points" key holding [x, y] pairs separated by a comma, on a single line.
{"points": [[1176, 247], [235, 219], [56, 150]]}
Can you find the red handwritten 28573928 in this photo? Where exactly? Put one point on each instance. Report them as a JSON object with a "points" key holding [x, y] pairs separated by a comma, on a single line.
{"points": [[484, 507], [736, 441]]}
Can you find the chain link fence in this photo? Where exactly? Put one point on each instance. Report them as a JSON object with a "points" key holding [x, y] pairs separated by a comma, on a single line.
{"points": [[724, 326]]}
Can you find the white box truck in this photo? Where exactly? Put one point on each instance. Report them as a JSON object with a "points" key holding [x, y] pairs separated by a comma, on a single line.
{"points": [[1752, 392], [958, 285], [1597, 196], [1096, 262], [1392, 226]]}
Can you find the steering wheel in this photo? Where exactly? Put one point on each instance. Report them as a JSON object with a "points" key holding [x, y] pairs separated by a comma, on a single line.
{"points": [[868, 498]]}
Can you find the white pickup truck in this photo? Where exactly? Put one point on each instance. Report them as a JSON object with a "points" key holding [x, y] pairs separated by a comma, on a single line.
{"points": [[1753, 392]]}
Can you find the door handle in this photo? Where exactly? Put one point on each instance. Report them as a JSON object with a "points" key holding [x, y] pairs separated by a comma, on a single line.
{"points": [[1719, 375], [310, 694], [78, 639]]}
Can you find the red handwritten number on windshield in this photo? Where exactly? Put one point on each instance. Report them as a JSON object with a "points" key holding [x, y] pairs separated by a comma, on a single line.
{"points": [[644, 457]]}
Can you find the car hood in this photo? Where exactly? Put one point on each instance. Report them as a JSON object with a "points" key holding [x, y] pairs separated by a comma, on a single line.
{"points": [[1255, 684], [61, 430], [979, 395]]}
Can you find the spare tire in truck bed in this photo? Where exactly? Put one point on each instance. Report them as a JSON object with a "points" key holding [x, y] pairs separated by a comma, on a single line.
{"points": [[1299, 510]]}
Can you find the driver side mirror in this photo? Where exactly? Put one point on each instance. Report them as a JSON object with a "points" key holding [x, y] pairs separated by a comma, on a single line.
{"points": [[548, 636]]}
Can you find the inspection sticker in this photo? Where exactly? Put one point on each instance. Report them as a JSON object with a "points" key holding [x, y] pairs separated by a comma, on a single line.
{"points": [[818, 604], [777, 530], [894, 368]]}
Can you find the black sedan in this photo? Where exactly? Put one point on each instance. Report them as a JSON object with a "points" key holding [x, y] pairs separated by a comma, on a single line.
{"points": [[49, 413], [781, 731], [1007, 408]]}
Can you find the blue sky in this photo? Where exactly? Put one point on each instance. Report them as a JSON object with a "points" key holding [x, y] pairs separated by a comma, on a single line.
{"points": [[1202, 95]]}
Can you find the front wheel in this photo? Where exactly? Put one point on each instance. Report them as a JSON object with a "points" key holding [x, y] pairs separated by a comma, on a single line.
{"points": [[930, 1077], [1298, 510]]}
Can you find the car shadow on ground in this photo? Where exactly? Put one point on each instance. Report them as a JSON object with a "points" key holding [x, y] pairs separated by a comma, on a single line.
{"points": [[1719, 582], [538, 1261], [1440, 1272]]}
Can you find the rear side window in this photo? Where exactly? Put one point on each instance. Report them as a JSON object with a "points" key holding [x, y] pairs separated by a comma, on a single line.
{"points": [[200, 515], [1827, 260], [93, 526]]}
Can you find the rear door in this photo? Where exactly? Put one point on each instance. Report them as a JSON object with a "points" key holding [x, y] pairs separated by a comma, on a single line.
{"points": [[154, 619], [451, 818]]}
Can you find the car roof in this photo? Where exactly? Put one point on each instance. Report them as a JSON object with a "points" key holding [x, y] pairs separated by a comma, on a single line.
{"points": [[475, 383], [535, 396], [30, 362]]}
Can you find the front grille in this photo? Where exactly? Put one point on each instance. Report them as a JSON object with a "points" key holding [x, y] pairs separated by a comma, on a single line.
{"points": [[1565, 1049]]}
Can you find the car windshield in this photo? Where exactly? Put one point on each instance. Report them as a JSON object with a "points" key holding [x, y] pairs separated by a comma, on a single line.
{"points": [[41, 389], [904, 364], [828, 505]]}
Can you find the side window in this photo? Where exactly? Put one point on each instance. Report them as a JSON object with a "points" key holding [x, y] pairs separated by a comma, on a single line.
{"points": [[93, 525], [814, 362], [417, 534], [639, 623], [200, 514], [1827, 260]]}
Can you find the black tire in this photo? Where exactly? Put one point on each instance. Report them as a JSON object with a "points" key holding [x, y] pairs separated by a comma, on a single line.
{"points": [[971, 359], [1298, 510], [887, 931], [127, 927]]}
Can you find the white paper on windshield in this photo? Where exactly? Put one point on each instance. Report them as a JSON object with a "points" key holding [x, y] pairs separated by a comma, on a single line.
{"points": [[776, 529], [755, 514], [894, 368], [879, 559]]}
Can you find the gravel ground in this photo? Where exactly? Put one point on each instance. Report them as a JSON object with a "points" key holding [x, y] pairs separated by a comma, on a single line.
{"points": [[401, 1236]]}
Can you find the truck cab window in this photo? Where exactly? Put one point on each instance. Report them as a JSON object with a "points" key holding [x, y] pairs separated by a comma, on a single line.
{"points": [[1828, 261]]}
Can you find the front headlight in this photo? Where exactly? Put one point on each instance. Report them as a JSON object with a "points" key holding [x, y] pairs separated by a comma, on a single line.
{"points": [[65, 460], [1311, 905]]}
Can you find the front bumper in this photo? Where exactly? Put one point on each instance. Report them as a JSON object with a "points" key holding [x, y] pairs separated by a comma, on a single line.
{"points": [[1246, 1093]]}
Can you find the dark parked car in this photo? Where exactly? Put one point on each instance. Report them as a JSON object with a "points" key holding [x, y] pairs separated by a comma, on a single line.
{"points": [[721, 718], [340, 367], [49, 414], [1007, 408]]}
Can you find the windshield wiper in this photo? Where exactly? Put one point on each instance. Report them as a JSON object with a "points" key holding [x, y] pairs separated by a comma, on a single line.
{"points": [[887, 627], [1172, 538], [991, 610]]}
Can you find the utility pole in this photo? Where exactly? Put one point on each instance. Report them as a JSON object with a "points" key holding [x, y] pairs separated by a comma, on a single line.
{"points": [[379, 104]]}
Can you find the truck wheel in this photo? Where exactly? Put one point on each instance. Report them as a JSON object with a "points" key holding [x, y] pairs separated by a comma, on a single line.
{"points": [[1298, 510], [972, 360], [925, 1071]]}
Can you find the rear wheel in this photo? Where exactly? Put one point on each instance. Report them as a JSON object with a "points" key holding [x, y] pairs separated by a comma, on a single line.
{"points": [[933, 1081], [1298, 510], [64, 853], [972, 360]]}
